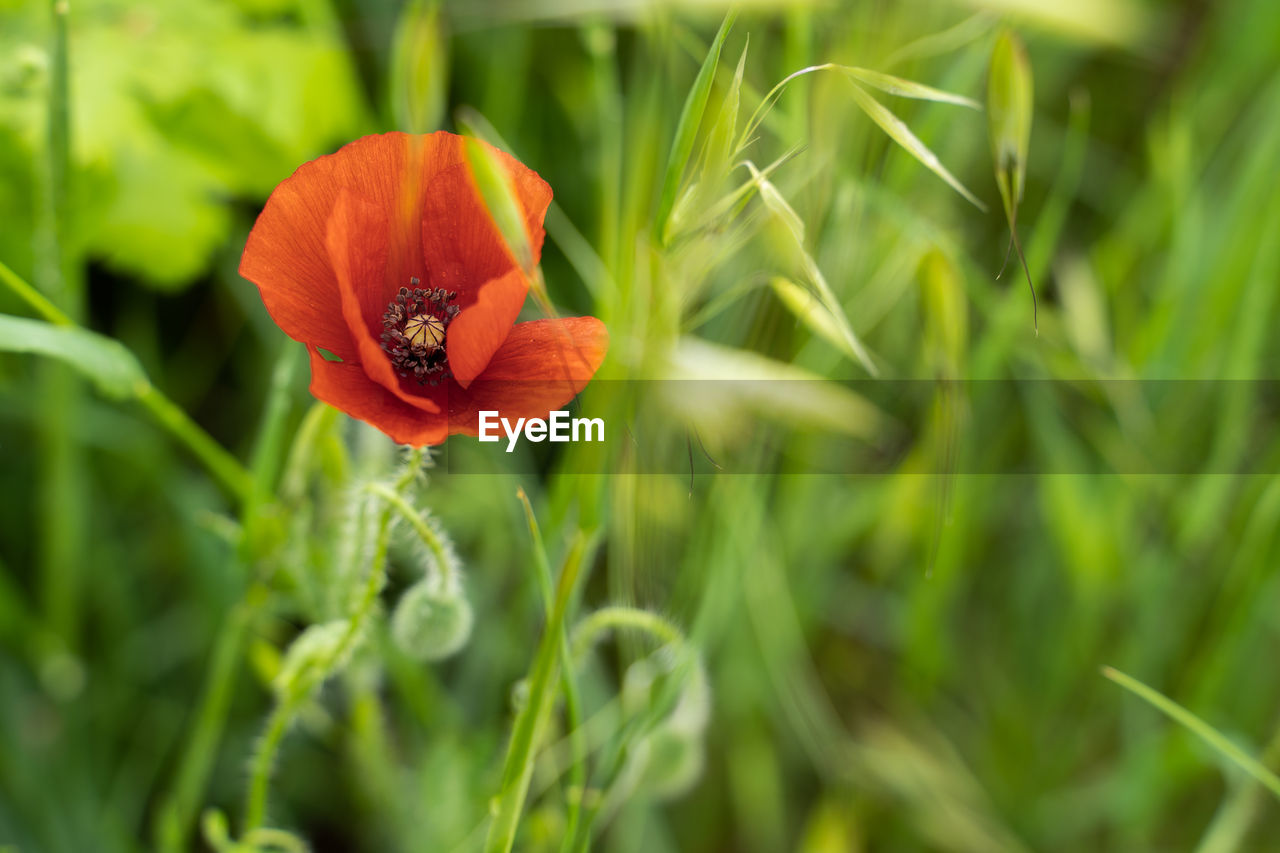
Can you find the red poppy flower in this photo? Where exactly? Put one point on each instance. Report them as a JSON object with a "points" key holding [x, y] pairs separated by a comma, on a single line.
{"points": [[384, 255]]}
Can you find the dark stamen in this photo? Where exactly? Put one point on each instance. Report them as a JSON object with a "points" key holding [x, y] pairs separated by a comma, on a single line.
{"points": [[414, 328]]}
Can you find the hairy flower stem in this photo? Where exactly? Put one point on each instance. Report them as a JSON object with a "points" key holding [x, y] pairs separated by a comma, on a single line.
{"points": [[608, 618], [420, 526], [297, 693]]}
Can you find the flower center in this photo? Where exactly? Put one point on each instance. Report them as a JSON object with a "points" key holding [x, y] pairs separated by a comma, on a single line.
{"points": [[414, 328]]}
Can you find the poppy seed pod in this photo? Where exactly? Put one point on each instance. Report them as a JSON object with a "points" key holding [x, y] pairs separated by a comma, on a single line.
{"points": [[432, 620]]}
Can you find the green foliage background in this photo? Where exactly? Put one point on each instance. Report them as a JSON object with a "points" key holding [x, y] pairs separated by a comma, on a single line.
{"points": [[907, 661]]}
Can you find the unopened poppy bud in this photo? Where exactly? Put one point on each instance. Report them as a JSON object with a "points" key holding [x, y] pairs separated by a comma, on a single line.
{"points": [[520, 695], [672, 759], [432, 620], [314, 655], [637, 686], [670, 756]]}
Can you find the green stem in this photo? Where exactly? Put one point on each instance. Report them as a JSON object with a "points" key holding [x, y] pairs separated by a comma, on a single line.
{"points": [[62, 488], [59, 129], [264, 758], [287, 707], [34, 298], [178, 813], [280, 840], [318, 419], [613, 757], [224, 467], [532, 718]]}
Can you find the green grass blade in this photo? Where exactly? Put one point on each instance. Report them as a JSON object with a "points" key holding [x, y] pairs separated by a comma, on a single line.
{"points": [[901, 134], [532, 718], [687, 129], [1198, 727]]}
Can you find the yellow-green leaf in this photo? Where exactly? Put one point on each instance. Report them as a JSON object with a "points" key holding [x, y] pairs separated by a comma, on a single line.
{"points": [[809, 309], [499, 196]]}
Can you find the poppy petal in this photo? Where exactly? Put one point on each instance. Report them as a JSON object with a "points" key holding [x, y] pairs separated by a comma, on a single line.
{"points": [[477, 332], [466, 253], [356, 262], [541, 366], [286, 254], [346, 387]]}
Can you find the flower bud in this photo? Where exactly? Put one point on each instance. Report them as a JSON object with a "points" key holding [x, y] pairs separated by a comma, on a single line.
{"points": [[671, 755], [672, 758], [432, 620]]}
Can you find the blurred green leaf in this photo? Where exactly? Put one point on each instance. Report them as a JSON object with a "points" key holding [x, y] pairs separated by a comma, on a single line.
{"points": [[177, 108], [420, 67], [754, 387], [106, 362], [946, 313], [1116, 22]]}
